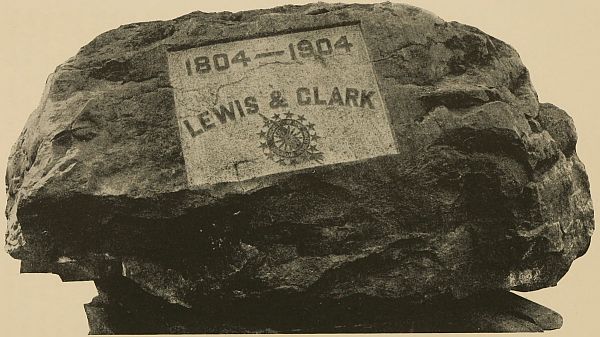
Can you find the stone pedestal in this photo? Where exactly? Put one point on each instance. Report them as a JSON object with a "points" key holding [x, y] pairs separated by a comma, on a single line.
{"points": [[122, 308]]}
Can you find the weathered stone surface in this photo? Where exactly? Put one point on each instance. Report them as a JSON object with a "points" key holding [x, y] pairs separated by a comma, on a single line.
{"points": [[486, 190], [123, 308]]}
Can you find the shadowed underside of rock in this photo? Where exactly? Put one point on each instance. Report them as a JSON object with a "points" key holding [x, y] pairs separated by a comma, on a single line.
{"points": [[485, 192], [121, 307]]}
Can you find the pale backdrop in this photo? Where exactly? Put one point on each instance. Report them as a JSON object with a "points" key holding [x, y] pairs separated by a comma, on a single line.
{"points": [[557, 40]]}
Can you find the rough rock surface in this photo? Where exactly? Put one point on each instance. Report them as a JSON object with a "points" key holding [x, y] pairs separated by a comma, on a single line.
{"points": [[122, 308], [486, 193]]}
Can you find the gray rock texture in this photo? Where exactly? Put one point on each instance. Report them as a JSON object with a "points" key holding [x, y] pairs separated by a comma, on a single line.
{"points": [[487, 192]]}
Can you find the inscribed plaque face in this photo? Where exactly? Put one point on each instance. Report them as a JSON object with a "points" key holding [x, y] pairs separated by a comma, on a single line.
{"points": [[274, 104]]}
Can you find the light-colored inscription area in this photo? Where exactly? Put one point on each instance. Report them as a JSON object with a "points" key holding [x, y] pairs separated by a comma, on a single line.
{"points": [[256, 107]]}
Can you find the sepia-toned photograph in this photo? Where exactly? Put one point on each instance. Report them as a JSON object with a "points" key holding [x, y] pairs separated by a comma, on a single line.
{"points": [[295, 167]]}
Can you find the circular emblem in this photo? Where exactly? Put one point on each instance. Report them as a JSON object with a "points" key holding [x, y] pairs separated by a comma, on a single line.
{"points": [[289, 140]]}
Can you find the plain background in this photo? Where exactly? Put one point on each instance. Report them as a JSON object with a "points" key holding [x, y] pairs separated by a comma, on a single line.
{"points": [[557, 40]]}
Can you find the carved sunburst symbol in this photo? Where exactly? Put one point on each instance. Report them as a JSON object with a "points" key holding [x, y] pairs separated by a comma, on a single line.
{"points": [[289, 140]]}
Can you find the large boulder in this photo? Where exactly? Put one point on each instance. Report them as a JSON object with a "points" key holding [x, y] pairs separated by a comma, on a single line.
{"points": [[482, 188]]}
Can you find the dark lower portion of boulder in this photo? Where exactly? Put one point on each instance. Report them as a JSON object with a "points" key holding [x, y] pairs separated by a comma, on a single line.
{"points": [[454, 221], [124, 308]]}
